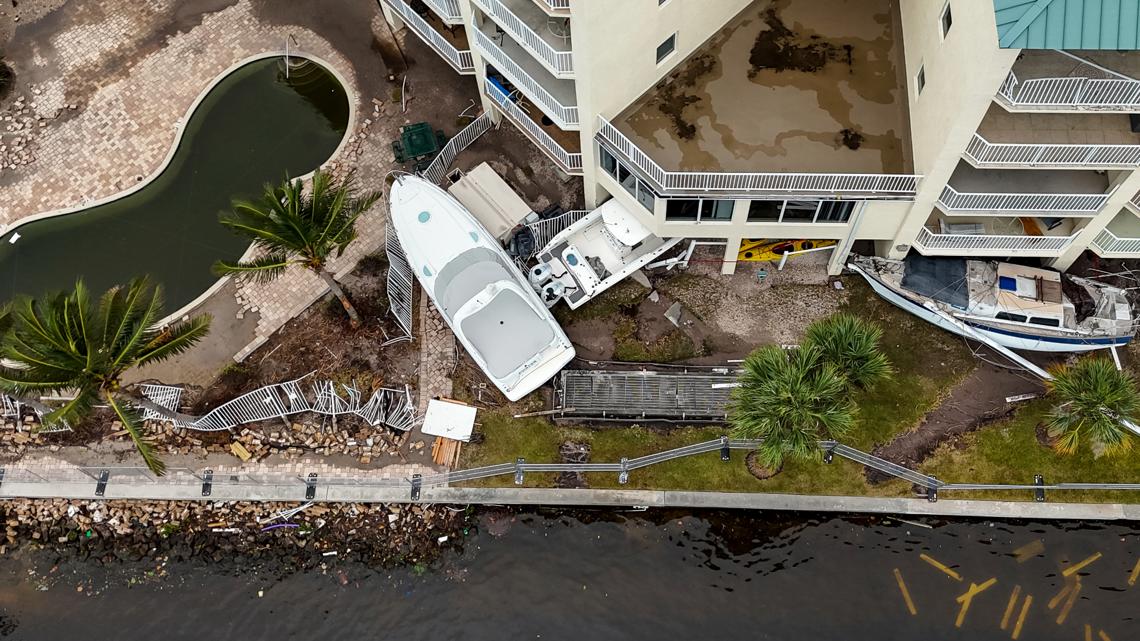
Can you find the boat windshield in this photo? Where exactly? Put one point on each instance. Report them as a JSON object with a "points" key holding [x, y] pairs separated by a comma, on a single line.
{"points": [[943, 279]]}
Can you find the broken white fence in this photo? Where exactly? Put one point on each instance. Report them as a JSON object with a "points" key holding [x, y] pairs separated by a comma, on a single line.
{"points": [[12, 408], [385, 406], [401, 295], [436, 171], [545, 230]]}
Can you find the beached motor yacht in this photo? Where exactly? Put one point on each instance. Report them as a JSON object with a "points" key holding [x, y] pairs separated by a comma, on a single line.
{"points": [[1015, 306], [594, 254], [481, 294]]}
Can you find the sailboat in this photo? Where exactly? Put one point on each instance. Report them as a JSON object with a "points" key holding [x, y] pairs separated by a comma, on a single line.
{"points": [[1016, 306]]}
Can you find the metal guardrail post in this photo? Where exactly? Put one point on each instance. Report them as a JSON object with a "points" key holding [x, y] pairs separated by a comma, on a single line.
{"points": [[207, 482], [1, 476], [829, 454], [519, 470], [417, 485], [101, 484], [623, 476], [724, 449], [311, 486], [932, 493], [1039, 493]]}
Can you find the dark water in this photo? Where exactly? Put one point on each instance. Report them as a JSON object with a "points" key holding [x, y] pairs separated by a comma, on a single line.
{"points": [[254, 127], [633, 576]]}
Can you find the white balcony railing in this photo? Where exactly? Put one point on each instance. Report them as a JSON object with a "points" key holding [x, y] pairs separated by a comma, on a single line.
{"points": [[885, 186], [564, 116], [447, 10], [983, 153], [931, 242], [952, 200], [460, 60], [570, 162], [1088, 86], [559, 63], [557, 6], [1107, 242]]}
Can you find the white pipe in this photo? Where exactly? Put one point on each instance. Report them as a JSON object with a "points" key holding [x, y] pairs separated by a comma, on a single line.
{"points": [[784, 258]]}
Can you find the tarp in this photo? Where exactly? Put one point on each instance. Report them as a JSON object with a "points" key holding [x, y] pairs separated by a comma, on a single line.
{"points": [[943, 279]]}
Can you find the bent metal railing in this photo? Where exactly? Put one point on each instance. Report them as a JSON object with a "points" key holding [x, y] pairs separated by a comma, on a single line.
{"points": [[437, 170], [55, 476], [566, 116], [1094, 94], [545, 230], [982, 152], [460, 60], [885, 186]]}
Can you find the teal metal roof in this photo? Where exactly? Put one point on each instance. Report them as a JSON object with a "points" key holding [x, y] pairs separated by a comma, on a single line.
{"points": [[1068, 24]]}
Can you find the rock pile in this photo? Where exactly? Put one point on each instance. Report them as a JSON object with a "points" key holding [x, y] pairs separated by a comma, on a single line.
{"points": [[349, 438], [114, 531], [21, 124]]}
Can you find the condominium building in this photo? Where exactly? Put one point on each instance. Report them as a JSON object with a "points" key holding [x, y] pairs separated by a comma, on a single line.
{"points": [[997, 128]]}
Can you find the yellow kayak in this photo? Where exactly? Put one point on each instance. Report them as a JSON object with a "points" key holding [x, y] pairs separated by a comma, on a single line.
{"points": [[772, 250]]}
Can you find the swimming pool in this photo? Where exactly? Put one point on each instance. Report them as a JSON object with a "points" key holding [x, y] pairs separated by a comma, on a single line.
{"points": [[253, 127]]}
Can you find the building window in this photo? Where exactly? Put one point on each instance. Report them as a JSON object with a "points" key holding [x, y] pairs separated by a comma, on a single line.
{"points": [[666, 48], [800, 211], [946, 19], [698, 210], [920, 80], [632, 184]]}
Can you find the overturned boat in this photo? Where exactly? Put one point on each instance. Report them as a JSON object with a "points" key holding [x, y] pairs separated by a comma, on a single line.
{"points": [[478, 290], [1015, 306], [594, 254]]}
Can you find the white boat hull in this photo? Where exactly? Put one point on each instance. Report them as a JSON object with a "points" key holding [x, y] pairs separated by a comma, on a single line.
{"points": [[1005, 338], [478, 289]]}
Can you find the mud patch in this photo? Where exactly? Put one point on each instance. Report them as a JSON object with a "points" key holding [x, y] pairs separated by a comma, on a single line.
{"points": [[977, 401], [675, 94], [780, 49]]}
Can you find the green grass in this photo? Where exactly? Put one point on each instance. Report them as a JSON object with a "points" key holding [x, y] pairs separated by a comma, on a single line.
{"points": [[1008, 452], [673, 346], [611, 303]]}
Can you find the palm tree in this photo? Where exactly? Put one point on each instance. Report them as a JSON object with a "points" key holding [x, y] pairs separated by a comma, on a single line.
{"points": [[851, 344], [791, 400], [294, 227], [66, 344], [1093, 399]]}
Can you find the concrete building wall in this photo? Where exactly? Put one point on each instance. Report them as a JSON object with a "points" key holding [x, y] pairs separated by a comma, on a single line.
{"points": [[963, 72]]}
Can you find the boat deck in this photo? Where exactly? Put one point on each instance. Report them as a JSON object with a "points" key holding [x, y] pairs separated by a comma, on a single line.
{"points": [[507, 332]]}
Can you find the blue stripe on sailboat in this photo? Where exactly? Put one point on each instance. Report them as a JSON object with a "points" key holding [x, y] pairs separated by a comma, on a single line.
{"points": [[1119, 340]]}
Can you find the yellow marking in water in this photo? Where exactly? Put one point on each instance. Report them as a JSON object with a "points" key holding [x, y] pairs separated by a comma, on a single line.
{"points": [[1073, 569], [1013, 596], [1060, 595], [941, 566], [1088, 632], [905, 593], [1069, 604], [967, 597], [1021, 617], [1029, 550], [1103, 635], [1135, 573]]}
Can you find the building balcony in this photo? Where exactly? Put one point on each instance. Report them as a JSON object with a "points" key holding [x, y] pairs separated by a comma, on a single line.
{"points": [[996, 237], [1043, 80], [1014, 192], [1054, 140], [555, 8], [447, 10], [803, 97], [545, 38], [563, 147], [1121, 239], [554, 96], [450, 43]]}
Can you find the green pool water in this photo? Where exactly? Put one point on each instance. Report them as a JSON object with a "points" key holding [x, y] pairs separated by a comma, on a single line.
{"points": [[253, 128]]}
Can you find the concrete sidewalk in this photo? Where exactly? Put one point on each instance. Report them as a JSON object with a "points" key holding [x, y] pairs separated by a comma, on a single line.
{"points": [[293, 492]]}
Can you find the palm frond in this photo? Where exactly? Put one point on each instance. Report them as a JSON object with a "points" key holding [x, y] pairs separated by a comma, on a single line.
{"points": [[176, 339], [262, 269], [130, 420], [791, 400], [1092, 399], [851, 344]]}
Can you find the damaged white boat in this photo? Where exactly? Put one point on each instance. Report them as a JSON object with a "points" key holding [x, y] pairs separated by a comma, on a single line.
{"points": [[594, 254], [478, 290], [1015, 306]]}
